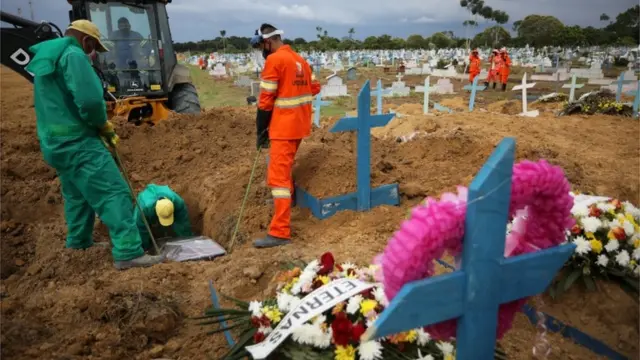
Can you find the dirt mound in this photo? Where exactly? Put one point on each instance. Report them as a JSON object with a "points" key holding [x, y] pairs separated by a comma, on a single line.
{"points": [[73, 304], [508, 107], [456, 104]]}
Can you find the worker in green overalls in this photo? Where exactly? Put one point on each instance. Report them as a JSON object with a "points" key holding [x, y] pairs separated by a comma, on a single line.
{"points": [[165, 211]]}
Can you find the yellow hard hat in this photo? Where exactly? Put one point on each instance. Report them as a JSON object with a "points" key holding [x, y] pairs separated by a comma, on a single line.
{"points": [[90, 29], [164, 210]]}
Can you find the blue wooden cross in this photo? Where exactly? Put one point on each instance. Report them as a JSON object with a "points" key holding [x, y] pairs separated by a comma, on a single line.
{"points": [[378, 92], [473, 88], [636, 100], [442, 108], [486, 279], [621, 81], [573, 86], [365, 197], [317, 104]]}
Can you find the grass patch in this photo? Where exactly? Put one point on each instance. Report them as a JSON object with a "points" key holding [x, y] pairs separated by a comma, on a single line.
{"points": [[217, 92]]}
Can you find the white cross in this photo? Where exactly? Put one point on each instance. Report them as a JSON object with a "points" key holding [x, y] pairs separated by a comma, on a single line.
{"points": [[399, 76], [427, 90], [573, 86], [524, 86]]}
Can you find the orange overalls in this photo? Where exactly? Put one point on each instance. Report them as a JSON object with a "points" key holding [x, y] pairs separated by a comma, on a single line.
{"points": [[505, 68], [494, 70], [286, 88], [474, 67]]}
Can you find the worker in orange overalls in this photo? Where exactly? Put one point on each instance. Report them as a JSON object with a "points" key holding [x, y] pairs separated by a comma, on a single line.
{"points": [[494, 69], [505, 68], [287, 89], [474, 65]]}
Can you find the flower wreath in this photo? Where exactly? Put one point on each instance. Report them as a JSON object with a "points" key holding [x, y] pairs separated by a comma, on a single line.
{"points": [[540, 209]]}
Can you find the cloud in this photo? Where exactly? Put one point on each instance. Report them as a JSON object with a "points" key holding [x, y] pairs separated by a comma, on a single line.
{"points": [[296, 11], [423, 20]]}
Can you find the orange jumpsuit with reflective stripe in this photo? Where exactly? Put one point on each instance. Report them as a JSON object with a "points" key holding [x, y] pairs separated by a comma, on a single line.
{"points": [[287, 89], [505, 67], [474, 67], [494, 69]]}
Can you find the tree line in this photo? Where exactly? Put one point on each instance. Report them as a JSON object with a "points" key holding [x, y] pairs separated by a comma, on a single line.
{"points": [[534, 30]]}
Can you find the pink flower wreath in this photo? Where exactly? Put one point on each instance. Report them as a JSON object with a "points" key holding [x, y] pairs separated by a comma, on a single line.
{"points": [[540, 209]]}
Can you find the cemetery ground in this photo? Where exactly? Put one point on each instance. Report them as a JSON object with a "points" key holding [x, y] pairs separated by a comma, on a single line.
{"points": [[68, 304]]}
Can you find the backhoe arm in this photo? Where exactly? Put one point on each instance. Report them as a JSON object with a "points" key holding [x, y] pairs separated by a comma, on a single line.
{"points": [[17, 40]]}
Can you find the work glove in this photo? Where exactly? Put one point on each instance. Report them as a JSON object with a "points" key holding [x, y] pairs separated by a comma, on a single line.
{"points": [[108, 133], [263, 119]]}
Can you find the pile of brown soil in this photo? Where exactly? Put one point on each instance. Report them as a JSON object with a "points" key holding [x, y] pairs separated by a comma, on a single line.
{"points": [[72, 304]]}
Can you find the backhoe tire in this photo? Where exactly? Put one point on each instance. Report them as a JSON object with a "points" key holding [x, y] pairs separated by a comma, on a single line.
{"points": [[184, 99]]}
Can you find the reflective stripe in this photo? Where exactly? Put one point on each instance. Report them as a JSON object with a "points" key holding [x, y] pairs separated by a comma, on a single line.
{"points": [[270, 86], [293, 101], [282, 193]]}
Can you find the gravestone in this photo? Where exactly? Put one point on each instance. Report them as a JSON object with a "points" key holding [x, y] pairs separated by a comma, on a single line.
{"points": [[351, 73], [398, 88], [443, 86], [450, 71], [243, 81], [218, 71], [255, 88], [334, 87]]}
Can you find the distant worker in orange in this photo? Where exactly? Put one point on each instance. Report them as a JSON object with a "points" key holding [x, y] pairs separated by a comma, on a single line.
{"points": [[505, 68], [494, 69], [287, 89], [474, 65]]}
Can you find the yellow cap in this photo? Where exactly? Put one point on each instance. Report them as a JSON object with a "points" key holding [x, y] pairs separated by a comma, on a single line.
{"points": [[164, 210], [90, 29]]}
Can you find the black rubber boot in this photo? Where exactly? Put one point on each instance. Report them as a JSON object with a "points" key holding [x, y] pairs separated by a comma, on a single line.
{"points": [[504, 87], [270, 241], [486, 84], [494, 86]]}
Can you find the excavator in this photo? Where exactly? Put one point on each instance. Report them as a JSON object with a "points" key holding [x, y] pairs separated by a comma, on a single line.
{"points": [[142, 78]]}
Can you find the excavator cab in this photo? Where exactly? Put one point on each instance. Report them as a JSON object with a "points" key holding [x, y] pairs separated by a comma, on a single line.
{"points": [[141, 75], [140, 69]]}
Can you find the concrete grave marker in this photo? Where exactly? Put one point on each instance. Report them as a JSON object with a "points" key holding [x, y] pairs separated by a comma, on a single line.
{"points": [[243, 81], [444, 86], [398, 88], [351, 73], [524, 86], [218, 71], [255, 88], [334, 87]]}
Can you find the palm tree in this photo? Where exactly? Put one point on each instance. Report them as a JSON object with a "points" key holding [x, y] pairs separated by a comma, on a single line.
{"points": [[319, 30], [351, 32], [604, 17], [223, 33]]}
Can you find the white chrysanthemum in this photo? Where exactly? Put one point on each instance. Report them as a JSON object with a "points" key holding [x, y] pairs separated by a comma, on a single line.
{"points": [[605, 206], [294, 302], [580, 210], [603, 260], [612, 245], [591, 224], [623, 258], [380, 296], [631, 209], [306, 278], [354, 304], [423, 337], [322, 340], [582, 245], [318, 320], [284, 301], [613, 223], [628, 228], [636, 271], [636, 254], [445, 347], [265, 330], [256, 308], [303, 334], [370, 350], [426, 357], [347, 266]]}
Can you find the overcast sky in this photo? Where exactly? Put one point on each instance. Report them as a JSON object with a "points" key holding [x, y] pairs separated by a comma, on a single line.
{"points": [[193, 20]]}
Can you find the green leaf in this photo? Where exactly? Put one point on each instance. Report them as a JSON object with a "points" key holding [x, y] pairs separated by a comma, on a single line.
{"points": [[225, 329], [240, 303], [589, 283], [231, 318], [632, 281], [243, 341], [571, 279], [552, 291]]}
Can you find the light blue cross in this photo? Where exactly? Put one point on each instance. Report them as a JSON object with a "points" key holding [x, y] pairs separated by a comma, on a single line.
{"points": [[573, 86], [636, 100], [317, 68], [317, 104], [621, 81], [473, 88], [378, 92], [486, 279], [362, 124]]}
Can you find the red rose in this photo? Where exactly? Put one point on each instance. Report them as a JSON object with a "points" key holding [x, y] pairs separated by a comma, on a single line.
{"points": [[358, 330], [619, 233], [255, 321], [616, 203], [576, 229], [258, 337], [367, 294], [342, 329], [594, 211], [327, 263]]}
